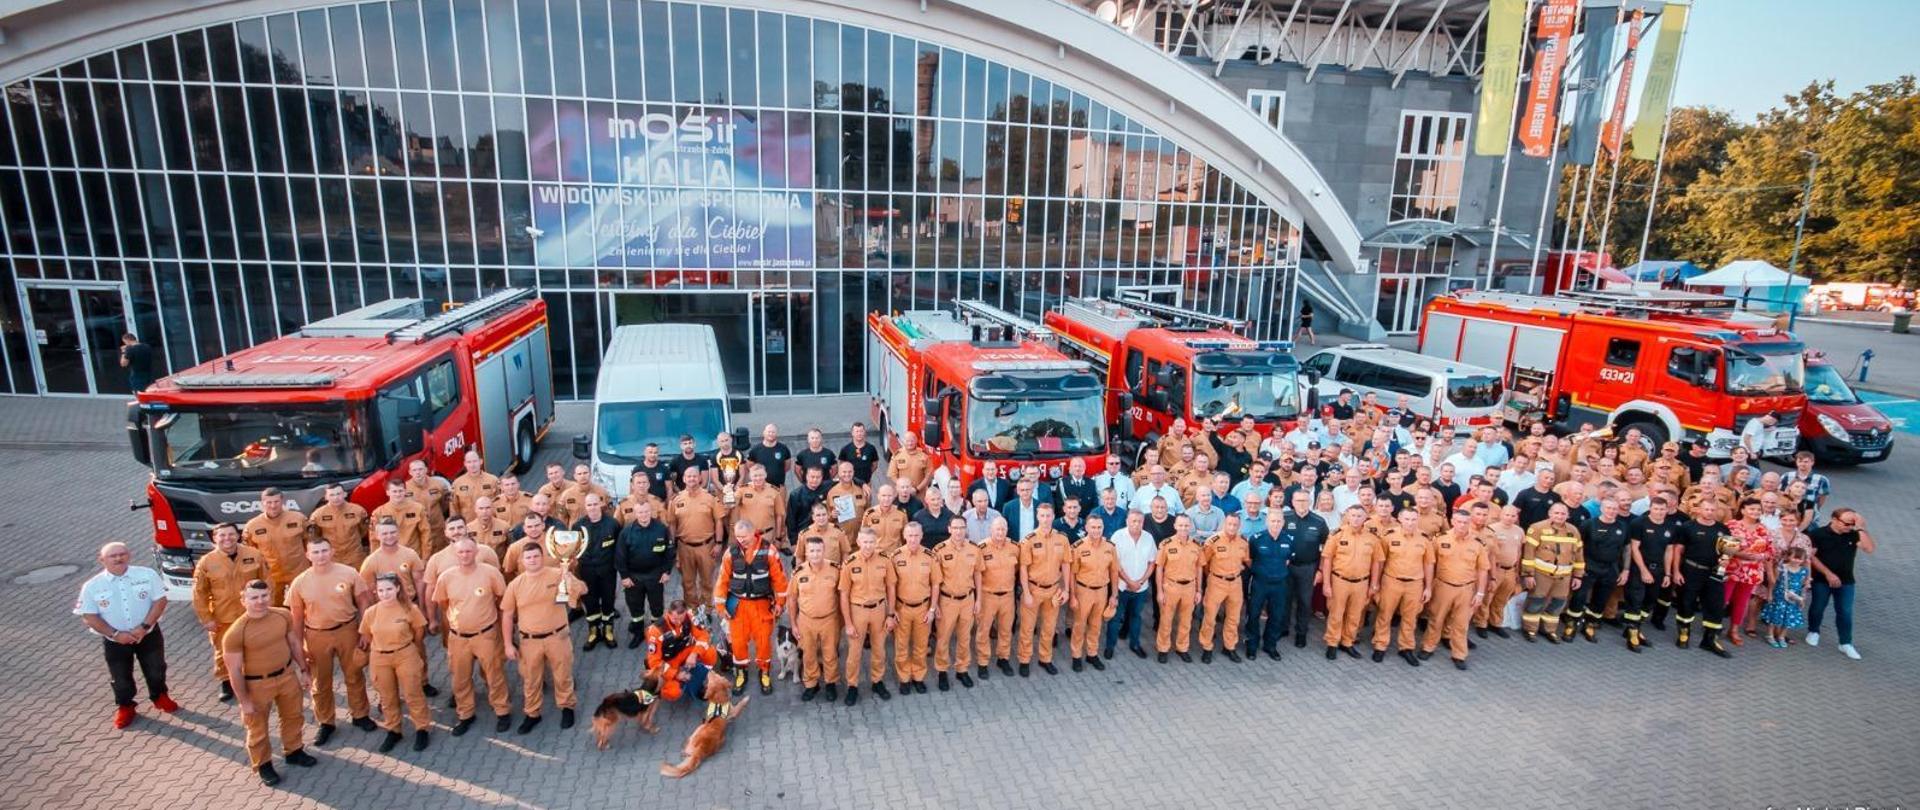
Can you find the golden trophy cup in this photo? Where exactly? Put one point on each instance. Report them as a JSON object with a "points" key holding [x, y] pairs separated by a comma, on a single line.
{"points": [[1725, 547], [729, 478], [565, 546]]}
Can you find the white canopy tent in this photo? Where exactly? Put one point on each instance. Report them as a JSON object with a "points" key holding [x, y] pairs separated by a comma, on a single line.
{"points": [[1759, 284]]}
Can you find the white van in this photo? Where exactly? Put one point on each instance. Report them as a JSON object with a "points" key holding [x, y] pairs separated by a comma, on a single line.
{"points": [[657, 382], [1451, 393]]}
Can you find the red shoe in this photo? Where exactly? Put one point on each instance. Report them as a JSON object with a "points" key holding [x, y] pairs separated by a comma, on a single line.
{"points": [[165, 703], [124, 717]]}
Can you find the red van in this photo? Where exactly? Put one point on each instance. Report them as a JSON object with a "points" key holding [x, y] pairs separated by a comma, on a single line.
{"points": [[1836, 425]]}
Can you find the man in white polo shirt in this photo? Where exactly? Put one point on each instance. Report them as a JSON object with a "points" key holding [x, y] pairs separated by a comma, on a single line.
{"points": [[122, 604]]}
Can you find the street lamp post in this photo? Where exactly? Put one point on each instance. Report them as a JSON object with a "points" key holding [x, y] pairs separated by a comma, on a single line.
{"points": [[1800, 228]]}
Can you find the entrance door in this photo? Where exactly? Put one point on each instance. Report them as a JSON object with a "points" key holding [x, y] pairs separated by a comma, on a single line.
{"points": [[1402, 299], [74, 328]]}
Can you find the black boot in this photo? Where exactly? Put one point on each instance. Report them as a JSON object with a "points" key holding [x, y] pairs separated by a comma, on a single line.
{"points": [[1234, 655], [1407, 656], [1049, 668], [429, 690], [226, 696], [502, 723], [964, 680], [944, 686], [268, 776], [1710, 641], [1025, 669], [566, 718], [832, 692], [1333, 653], [1206, 656], [1162, 658], [461, 727], [853, 695], [983, 671], [806, 695], [364, 723], [636, 636], [393, 739], [325, 734], [1006, 667], [1379, 655], [1077, 666], [1480, 631], [527, 723], [420, 740], [1096, 663], [1499, 631], [880, 690]]}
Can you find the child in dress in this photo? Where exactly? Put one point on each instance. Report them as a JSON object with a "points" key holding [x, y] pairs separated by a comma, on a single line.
{"points": [[1787, 610]]}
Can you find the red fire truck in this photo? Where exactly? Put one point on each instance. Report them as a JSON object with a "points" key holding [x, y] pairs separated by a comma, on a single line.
{"points": [[1180, 363], [1675, 365], [982, 384], [352, 400]]}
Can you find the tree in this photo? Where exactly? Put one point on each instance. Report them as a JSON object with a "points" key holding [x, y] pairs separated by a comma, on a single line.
{"points": [[1697, 139]]}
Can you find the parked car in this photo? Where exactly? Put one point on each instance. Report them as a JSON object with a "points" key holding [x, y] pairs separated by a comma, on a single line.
{"points": [[1837, 425]]}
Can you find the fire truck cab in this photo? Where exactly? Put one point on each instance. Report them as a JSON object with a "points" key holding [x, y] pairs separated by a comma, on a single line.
{"points": [[350, 400], [979, 385], [1674, 365], [1163, 363]]}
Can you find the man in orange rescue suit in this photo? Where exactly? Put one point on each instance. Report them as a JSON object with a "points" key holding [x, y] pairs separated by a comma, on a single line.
{"points": [[1176, 572], [999, 567], [752, 588], [815, 596], [866, 601], [1407, 568], [1223, 560], [281, 534], [1044, 568], [218, 579], [1352, 563], [468, 596], [325, 602], [671, 643], [535, 625]]}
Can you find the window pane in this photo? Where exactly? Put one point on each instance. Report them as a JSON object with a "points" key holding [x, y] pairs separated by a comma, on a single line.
{"points": [[376, 37], [442, 62], [597, 46], [344, 26], [503, 40], [534, 44]]}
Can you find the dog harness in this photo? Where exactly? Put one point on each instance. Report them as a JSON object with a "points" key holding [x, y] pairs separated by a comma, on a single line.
{"points": [[646, 698], [721, 709]]}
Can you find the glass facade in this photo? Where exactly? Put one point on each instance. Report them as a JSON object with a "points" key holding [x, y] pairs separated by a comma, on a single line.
{"points": [[776, 176]]}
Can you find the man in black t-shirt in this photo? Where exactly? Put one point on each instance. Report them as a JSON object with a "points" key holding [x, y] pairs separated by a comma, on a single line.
{"points": [[863, 456], [137, 359], [1835, 546], [772, 454], [815, 456], [1534, 501], [688, 459], [1650, 581], [1702, 578]]}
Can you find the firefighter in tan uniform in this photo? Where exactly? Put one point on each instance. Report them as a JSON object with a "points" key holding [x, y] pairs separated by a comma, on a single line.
{"points": [[1504, 540], [1351, 561], [638, 493], [696, 519], [887, 521], [1550, 569], [814, 592], [487, 529], [435, 497], [866, 600], [532, 532], [1459, 585], [390, 557], [261, 652], [915, 581], [910, 464], [325, 602], [281, 535], [512, 503], [832, 540], [993, 622], [1176, 576], [571, 505], [847, 501], [408, 515], [218, 578], [1044, 568], [1223, 560], [468, 596], [555, 486], [394, 633], [1195, 479], [472, 485], [761, 504], [1407, 556], [534, 624], [1096, 570], [957, 578], [1431, 520], [344, 524]]}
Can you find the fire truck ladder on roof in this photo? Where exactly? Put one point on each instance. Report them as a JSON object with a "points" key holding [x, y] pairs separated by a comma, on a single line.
{"points": [[1016, 326], [1647, 302], [462, 316], [1177, 316]]}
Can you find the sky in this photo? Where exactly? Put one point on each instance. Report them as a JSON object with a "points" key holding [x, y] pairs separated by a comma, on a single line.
{"points": [[1744, 55]]}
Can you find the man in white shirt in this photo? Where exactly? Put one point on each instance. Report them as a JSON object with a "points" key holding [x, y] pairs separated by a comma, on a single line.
{"points": [[1136, 552], [122, 604], [1157, 486], [980, 518], [1112, 478], [1466, 463], [1205, 516], [1348, 493], [1754, 435], [1517, 478]]}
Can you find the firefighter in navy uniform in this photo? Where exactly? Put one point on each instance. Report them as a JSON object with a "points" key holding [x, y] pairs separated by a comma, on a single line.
{"points": [[596, 568], [1650, 581], [1606, 550], [644, 560], [1701, 577]]}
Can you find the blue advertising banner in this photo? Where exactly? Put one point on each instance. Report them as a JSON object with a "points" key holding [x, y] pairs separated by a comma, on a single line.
{"points": [[1596, 62], [666, 187]]}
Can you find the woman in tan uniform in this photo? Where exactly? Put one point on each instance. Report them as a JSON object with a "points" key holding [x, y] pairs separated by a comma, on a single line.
{"points": [[393, 630]]}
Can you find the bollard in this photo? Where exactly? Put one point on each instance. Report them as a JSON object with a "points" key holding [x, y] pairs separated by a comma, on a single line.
{"points": [[1866, 362], [1902, 321]]}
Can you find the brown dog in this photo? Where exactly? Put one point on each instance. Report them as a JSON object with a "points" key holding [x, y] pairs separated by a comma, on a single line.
{"points": [[712, 731], [639, 704]]}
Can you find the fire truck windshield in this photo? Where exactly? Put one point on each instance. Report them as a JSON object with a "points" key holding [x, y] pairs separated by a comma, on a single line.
{"points": [[252, 443], [1022, 427], [1764, 369], [1263, 385]]}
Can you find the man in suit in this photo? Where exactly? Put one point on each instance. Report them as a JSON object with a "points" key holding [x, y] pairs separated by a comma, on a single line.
{"points": [[1022, 512], [1075, 486], [999, 490]]}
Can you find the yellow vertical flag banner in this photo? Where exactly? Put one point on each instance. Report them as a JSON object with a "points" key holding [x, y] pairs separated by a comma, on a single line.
{"points": [[1657, 95], [1500, 76]]}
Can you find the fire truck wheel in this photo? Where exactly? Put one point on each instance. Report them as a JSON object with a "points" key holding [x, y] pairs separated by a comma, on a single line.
{"points": [[1654, 431], [523, 448]]}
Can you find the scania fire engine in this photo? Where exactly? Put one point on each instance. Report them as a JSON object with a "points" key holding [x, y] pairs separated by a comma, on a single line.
{"points": [[1163, 362], [351, 400], [1674, 365], [981, 384]]}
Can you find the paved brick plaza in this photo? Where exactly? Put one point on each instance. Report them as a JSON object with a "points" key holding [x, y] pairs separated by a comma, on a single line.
{"points": [[1532, 726]]}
